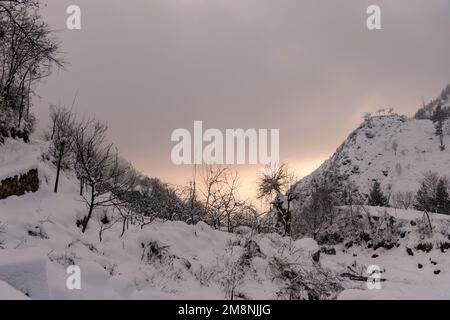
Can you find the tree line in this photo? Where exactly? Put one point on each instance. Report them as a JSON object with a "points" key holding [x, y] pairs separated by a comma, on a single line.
{"points": [[432, 196], [112, 188]]}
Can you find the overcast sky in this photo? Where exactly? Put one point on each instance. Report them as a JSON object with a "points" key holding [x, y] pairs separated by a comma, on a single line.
{"points": [[309, 68]]}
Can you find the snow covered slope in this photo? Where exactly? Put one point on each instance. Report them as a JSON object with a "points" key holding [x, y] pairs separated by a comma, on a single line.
{"points": [[39, 240], [17, 158], [392, 149]]}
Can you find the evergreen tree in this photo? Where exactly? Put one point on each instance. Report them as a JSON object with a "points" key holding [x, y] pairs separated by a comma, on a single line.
{"points": [[376, 196], [438, 118], [442, 197], [424, 202]]}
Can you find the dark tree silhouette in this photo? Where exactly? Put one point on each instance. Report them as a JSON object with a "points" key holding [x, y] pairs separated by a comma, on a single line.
{"points": [[376, 196]]}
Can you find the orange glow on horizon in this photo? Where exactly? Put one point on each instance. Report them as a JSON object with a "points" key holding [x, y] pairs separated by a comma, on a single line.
{"points": [[249, 175]]}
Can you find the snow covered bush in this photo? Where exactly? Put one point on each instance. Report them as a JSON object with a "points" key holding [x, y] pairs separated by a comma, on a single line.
{"points": [[356, 225], [65, 258], [384, 231], [304, 284], [235, 266], [424, 226], [429, 233], [153, 251], [350, 225], [37, 230]]}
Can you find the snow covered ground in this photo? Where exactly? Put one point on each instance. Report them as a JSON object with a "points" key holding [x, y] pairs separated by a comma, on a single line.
{"points": [[173, 260], [407, 277], [168, 260]]}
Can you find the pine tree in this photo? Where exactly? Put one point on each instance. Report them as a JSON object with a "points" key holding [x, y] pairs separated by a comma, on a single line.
{"points": [[423, 200], [439, 118], [376, 196], [442, 197]]}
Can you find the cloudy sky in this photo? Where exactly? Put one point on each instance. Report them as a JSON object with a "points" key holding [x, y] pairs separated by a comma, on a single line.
{"points": [[309, 68]]}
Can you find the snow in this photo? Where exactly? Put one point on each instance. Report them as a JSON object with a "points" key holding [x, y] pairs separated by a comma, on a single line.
{"points": [[25, 270], [404, 278], [9, 293], [195, 261], [405, 215], [308, 245], [17, 158], [173, 260]]}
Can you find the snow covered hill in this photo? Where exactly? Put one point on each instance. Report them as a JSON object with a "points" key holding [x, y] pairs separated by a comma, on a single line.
{"points": [[393, 150]]}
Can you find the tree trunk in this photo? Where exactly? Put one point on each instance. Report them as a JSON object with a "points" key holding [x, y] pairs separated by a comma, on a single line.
{"points": [[81, 186], [123, 226], [91, 209], [61, 152]]}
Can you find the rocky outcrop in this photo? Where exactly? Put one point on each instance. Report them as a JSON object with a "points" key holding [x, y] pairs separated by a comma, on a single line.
{"points": [[19, 184]]}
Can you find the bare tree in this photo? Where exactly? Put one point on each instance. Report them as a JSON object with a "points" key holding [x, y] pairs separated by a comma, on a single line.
{"points": [[403, 200], [367, 116], [192, 196], [27, 53], [318, 212], [218, 198], [63, 124], [106, 222], [212, 177], [107, 176], [276, 185], [225, 199]]}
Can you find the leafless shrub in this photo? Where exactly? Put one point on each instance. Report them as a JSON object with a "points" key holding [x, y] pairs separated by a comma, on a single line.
{"points": [[424, 226], [234, 271], [358, 272], [106, 221], [63, 258], [152, 251], [403, 200], [305, 284]]}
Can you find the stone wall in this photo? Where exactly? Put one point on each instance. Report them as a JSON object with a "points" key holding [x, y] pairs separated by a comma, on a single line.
{"points": [[19, 184]]}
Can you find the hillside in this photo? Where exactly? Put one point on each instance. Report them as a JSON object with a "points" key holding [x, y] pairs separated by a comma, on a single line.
{"points": [[426, 112], [391, 149]]}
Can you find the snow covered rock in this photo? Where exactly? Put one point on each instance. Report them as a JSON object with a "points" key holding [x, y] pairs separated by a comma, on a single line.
{"points": [[307, 245]]}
